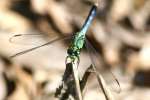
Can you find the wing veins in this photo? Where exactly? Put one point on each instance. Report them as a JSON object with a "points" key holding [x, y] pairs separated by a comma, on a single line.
{"points": [[34, 48]]}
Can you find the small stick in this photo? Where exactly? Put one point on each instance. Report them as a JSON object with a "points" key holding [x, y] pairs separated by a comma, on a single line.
{"points": [[77, 81]]}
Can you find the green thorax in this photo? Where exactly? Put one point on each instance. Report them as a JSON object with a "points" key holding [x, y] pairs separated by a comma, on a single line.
{"points": [[77, 44], [79, 39]]}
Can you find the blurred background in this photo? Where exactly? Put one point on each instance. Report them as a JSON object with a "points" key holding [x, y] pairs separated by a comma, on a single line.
{"points": [[120, 33]]}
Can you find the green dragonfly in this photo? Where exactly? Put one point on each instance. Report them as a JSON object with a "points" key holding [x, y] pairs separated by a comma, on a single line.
{"points": [[78, 41]]}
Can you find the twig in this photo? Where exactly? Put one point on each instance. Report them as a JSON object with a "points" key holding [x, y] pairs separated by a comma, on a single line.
{"points": [[107, 93], [77, 81], [85, 78], [105, 89], [70, 83]]}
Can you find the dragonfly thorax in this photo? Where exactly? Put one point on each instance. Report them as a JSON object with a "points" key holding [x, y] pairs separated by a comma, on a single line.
{"points": [[79, 40], [76, 45]]}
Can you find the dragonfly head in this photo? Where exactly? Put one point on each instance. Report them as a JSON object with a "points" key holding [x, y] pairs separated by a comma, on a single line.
{"points": [[73, 52]]}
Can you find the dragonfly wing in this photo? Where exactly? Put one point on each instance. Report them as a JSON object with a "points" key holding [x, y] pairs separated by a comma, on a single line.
{"points": [[28, 38], [51, 54], [54, 48], [102, 69], [54, 41]]}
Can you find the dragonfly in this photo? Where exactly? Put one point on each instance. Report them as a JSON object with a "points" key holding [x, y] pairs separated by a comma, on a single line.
{"points": [[78, 42]]}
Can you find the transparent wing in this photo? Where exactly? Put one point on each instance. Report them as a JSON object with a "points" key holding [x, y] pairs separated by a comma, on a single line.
{"points": [[44, 52], [102, 68], [49, 52], [55, 41], [28, 39]]}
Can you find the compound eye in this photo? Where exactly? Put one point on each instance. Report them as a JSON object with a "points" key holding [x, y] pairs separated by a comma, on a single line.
{"points": [[77, 53], [69, 51]]}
